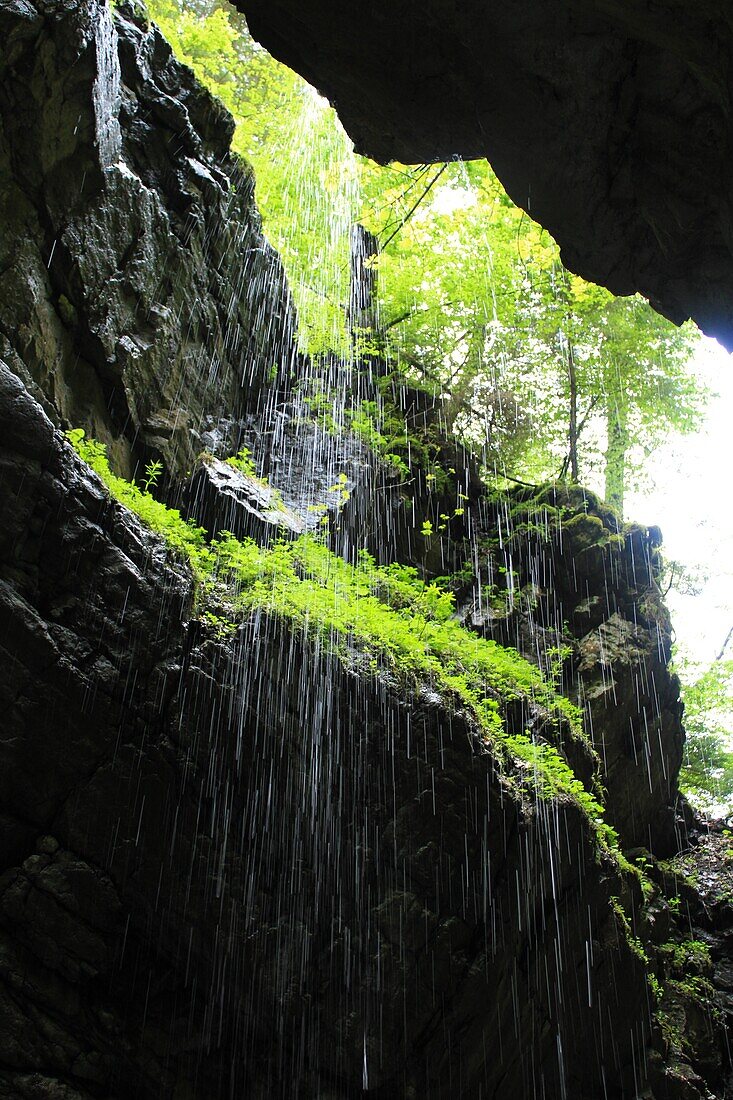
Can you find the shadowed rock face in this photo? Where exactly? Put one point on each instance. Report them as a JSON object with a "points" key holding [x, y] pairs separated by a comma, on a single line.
{"points": [[237, 865], [133, 269], [240, 867], [608, 120], [580, 583]]}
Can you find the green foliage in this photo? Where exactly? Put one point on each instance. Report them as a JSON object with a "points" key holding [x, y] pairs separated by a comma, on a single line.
{"points": [[386, 433], [707, 771], [687, 969], [556, 658], [476, 299], [550, 375], [686, 958], [183, 538], [655, 988], [220, 626], [634, 943], [243, 462], [341, 491], [305, 168], [553, 778], [153, 470], [380, 425], [388, 615]]}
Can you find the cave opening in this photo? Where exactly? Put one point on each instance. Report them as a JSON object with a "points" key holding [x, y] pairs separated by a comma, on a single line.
{"points": [[343, 752]]}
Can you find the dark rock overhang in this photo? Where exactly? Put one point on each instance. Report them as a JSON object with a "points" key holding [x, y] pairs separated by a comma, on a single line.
{"points": [[608, 120]]}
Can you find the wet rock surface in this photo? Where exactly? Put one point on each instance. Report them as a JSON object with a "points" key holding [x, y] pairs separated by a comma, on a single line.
{"points": [[133, 269], [242, 845], [569, 588], [232, 864], [608, 120], [688, 924], [223, 498]]}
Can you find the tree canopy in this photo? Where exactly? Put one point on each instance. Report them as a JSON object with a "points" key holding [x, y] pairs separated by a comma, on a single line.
{"points": [[550, 376], [707, 771]]}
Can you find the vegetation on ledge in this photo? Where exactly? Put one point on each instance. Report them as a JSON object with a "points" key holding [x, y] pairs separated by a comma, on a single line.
{"points": [[387, 615]]}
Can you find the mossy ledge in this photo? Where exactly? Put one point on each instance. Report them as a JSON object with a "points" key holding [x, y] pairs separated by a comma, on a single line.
{"points": [[388, 615]]}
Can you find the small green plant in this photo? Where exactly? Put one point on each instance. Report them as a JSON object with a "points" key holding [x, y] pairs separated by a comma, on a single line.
{"points": [[220, 626], [556, 657], [386, 433], [686, 957], [186, 541], [685, 982], [341, 488], [243, 462], [427, 529], [153, 470], [382, 428], [634, 943]]}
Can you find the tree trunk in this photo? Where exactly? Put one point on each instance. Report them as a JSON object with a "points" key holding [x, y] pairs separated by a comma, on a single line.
{"points": [[573, 420], [460, 391], [571, 462], [618, 445], [362, 310]]}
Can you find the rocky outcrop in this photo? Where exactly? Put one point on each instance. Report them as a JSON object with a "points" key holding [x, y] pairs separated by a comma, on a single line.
{"points": [[687, 927], [563, 582], [132, 264], [608, 120], [239, 866]]}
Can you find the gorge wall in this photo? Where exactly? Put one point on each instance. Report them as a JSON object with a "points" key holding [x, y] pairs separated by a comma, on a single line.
{"points": [[236, 861], [608, 120]]}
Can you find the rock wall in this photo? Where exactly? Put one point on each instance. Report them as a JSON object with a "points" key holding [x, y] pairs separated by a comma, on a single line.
{"points": [[133, 267], [585, 597], [240, 867], [607, 120]]}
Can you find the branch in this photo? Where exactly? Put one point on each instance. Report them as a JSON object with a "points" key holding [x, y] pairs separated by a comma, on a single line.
{"points": [[415, 205], [414, 179], [527, 484], [728, 637], [584, 421], [672, 579], [398, 320]]}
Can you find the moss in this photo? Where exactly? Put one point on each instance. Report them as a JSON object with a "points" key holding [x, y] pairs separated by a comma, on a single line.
{"points": [[632, 867], [557, 503], [689, 1011], [687, 957], [184, 539], [687, 1003], [584, 531], [575, 498], [566, 510], [67, 312], [634, 943], [388, 615]]}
